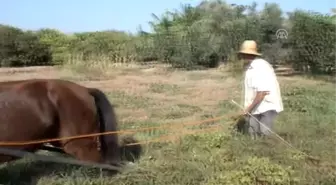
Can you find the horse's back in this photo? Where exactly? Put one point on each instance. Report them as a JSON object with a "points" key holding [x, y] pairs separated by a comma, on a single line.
{"points": [[47, 108], [25, 111], [29, 109]]}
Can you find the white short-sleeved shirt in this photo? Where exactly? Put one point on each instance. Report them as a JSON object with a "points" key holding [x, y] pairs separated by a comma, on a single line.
{"points": [[260, 76]]}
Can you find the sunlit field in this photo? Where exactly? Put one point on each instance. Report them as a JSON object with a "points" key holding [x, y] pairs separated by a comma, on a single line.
{"points": [[158, 95]]}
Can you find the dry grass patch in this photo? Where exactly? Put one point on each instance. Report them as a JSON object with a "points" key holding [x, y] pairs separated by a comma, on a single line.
{"points": [[129, 101], [164, 88]]}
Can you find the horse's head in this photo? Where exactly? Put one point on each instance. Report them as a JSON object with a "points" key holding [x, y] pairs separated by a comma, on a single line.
{"points": [[128, 149]]}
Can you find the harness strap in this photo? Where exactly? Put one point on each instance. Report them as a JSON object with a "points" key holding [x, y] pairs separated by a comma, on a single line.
{"points": [[56, 159]]}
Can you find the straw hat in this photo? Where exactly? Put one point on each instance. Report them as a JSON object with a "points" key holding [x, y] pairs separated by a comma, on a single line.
{"points": [[249, 47]]}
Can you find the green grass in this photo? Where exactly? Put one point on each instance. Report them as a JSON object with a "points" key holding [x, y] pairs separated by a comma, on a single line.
{"points": [[176, 111], [221, 157]]}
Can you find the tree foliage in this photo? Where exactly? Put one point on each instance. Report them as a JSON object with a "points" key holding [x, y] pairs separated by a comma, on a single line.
{"points": [[19, 48], [203, 35]]}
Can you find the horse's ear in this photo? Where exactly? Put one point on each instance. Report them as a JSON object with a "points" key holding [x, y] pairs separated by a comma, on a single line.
{"points": [[130, 150]]}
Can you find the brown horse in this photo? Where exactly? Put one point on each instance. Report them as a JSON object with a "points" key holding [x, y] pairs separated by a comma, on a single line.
{"points": [[40, 109]]}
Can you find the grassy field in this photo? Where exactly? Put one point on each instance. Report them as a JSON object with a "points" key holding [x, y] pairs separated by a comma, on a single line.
{"points": [[147, 97]]}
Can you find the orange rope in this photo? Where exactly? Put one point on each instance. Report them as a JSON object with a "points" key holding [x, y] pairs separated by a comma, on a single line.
{"points": [[168, 137], [18, 143]]}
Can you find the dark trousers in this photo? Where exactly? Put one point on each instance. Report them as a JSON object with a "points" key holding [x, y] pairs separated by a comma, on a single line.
{"points": [[251, 125]]}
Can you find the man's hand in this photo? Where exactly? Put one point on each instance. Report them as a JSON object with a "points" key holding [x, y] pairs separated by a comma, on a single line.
{"points": [[236, 116], [247, 111], [239, 115]]}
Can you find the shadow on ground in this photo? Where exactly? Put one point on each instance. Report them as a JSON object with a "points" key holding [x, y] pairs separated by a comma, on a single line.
{"points": [[23, 171], [29, 172]]}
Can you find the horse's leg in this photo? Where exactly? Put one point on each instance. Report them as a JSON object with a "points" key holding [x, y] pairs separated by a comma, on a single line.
{"points": [[78, 123], [85, 149], [77, 115]]}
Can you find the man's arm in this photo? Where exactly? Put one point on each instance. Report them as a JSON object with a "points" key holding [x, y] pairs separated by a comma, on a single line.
{"points": [[257, 100]]}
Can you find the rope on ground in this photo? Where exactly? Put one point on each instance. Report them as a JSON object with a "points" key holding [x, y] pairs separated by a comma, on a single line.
{"points": [[71, 161], [173, 137], [313, 160], [22, 143]]}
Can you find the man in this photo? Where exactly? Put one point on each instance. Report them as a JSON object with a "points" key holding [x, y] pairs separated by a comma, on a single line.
{"points": [[262, 97]]}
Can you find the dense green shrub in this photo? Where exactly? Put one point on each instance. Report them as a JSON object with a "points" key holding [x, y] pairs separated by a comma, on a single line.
{"points": [[19, 48], [313, 42]]}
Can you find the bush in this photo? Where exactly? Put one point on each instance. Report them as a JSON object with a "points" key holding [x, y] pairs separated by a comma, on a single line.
{"points": [[191, 37], [19, 48], [313, 42]]}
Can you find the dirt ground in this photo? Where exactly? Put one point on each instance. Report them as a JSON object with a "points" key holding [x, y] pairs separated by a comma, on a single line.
{"points": [[134, 88]]}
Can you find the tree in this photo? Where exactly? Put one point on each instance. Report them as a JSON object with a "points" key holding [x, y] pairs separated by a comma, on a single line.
{"points": [[19, 48]]}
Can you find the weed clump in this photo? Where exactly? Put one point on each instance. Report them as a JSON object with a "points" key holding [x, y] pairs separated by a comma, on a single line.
{"points": [[254, 170]]}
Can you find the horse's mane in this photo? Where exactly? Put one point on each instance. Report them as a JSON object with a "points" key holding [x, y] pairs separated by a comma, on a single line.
{"points": [[108, 123]]}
